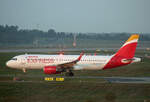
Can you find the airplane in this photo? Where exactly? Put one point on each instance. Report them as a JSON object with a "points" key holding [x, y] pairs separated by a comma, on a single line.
{"points": [[56, 64]]}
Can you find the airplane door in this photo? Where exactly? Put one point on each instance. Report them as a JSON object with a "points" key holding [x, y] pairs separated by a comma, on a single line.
{"points": [[23, 63]]}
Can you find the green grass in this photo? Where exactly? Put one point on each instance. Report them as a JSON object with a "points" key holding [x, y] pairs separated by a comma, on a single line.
{"points": [[73, 92]]}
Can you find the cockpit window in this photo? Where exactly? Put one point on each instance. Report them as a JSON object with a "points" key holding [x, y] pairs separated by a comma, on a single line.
{"points": [[15, 59]]}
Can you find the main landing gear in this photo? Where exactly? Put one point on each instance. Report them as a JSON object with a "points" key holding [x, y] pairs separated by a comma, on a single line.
{"points": [[69, 73]]}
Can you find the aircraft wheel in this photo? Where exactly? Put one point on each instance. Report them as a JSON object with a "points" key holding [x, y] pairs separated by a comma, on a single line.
{"points": [[69, 74]]}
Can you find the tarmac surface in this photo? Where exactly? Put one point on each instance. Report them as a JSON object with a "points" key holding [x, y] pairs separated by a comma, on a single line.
{"points": [[58, 50], [137, 80], [120, 79]]}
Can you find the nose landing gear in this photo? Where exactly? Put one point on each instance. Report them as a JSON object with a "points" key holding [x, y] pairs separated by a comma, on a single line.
{"points": [[24, 70]]}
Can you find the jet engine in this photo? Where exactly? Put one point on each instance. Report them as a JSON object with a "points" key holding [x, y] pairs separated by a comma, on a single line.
{"points": [[51, 70]]}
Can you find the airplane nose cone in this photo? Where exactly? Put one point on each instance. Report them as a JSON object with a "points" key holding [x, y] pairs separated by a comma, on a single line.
{"points": [[11, 64], [7, 63]]}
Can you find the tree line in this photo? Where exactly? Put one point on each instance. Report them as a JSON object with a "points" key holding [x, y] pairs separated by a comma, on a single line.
{"points": [[12, 35]]}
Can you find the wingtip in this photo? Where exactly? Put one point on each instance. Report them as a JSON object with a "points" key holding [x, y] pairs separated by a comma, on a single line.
{"points": [[81, 54]]}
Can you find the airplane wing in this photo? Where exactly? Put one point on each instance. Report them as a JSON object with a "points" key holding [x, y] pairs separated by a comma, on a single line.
{"points": [[70, 64]]}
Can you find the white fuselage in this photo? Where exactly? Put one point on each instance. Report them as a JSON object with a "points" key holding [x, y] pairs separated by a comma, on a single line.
{"points": [[36, 61]]}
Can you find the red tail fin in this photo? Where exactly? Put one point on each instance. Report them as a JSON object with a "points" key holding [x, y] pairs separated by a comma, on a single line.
{"points": [[128, 49], [126, 52]]}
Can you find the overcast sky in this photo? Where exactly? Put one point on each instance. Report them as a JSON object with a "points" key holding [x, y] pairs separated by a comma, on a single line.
{"points": [[78, 15]]}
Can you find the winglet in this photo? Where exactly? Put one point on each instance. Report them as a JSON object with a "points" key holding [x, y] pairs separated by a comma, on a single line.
{"points": [[79, 58]]}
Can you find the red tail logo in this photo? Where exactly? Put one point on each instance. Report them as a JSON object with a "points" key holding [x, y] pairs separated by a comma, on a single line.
{"points": [[125, 54]]}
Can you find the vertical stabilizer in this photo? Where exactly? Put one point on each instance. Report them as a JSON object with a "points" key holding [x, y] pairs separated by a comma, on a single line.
{"points": [[129, 47], [125, 54]]}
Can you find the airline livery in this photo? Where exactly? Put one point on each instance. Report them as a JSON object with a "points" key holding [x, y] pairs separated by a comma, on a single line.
{"points": [[55, 64]]}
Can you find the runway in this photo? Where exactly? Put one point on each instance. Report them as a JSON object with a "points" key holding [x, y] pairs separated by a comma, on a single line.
{"points": [[137, 80], [128, 79], [120, 79], [28, 50]]}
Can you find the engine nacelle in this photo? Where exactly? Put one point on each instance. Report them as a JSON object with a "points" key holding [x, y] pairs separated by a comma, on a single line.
{"points": [[51, 70]]}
